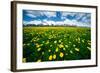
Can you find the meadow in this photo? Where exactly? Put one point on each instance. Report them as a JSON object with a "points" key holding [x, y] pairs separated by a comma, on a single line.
{"points": [[42, 44]]}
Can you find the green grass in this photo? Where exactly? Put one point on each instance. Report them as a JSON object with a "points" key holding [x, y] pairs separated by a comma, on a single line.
{"points": [[56, 43]]}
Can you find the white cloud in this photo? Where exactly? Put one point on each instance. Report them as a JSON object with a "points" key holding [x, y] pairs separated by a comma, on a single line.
{"points": [[70, 22], [64, 14], [29, 11], [80, 19], [77, 15], [36, 22], [35, 13], [25, 22], [76, 23], [49, 14], [84, 18], [50, 22], [31, 15]]}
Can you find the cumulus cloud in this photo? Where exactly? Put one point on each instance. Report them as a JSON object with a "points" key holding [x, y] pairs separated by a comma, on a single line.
{"points": [[49, 13], [64, 14], [31, 15], [36, 22], [77, 17], [36, 13], [50, 22], [51, 17]]}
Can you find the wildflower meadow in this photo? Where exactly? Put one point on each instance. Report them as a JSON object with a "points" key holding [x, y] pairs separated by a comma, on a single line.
{"points": [[56, 43]]}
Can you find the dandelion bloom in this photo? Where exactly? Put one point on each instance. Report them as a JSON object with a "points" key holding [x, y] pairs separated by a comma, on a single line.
{"points": [[39, 60], [50, 57], [54, 56], [61, 46], [57, 49], [61, 54]]}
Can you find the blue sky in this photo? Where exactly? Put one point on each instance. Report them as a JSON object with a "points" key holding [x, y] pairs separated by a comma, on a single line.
{"points": [[56, 18]]}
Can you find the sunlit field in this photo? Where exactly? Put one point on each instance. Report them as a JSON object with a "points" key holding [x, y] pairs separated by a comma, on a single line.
{"points": [[56, 43]]}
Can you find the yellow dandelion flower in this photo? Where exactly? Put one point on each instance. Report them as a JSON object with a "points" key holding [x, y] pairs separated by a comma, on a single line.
{"points": [[54, 56], [50, 57], [39, 60], [71, 51], [61, 54], [57, 49], [38, 49], [61, 46], [77, 49], [24, 60]]}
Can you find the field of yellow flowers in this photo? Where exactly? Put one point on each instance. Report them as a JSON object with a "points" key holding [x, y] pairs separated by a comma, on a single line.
{"points": [[56, 43]]}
